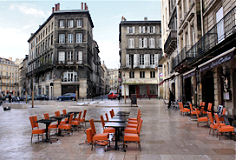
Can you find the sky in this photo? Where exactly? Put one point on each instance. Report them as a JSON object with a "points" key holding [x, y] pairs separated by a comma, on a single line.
{"points": [[18, 19]]}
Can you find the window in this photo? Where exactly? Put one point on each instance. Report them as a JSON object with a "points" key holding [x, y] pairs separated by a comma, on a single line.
{"points": [[141, 29], [152, 74], [151, 43], [69, 76], [70, 38], [61, 56], [131, 59], [79, 38], [130, 43], [141, 59], [61, 38], [70, 56], [142, 74], [151, 59], [79, 56], [70, 23], [131, 74], [160, 43], [131, 29], [79, 23], [61, 23]]}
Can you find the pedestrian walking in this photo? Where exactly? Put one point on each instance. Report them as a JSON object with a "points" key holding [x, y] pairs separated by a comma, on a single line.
{"points": [[10, 98], [171, 98]]}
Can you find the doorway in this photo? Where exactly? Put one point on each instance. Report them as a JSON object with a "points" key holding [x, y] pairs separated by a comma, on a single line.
{"points": [[208, 87], [132, 89], [188, 89]]}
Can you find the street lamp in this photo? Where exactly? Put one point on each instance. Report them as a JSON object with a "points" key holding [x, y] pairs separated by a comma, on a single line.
{"points": [[124, 83]]}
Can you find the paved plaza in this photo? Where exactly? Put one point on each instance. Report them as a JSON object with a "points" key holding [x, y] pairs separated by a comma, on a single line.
{"points": [[165, 135]]}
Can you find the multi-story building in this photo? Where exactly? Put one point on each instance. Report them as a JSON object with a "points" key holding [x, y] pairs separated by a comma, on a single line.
{"points": [[206, 59], [106, 80], [113, 79], [22, 76], [140, 50], [169, 43], [8, 77], [63, 57]]}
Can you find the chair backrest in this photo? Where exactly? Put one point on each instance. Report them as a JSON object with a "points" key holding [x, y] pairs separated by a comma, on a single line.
{"points": [[84, 114], [111, 113], [139, 126], [180, 105], [57, 113], [79, 115], [224, 111], [64, 111], [190, 104], [209, 107], [106, 116], [197, 112], [70, 118], [92, 126], [33, 120], [210, 117], [102, 120], [203, 104], [217, 118], [46, 115]]}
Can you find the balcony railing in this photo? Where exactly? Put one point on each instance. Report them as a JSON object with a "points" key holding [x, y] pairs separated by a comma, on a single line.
{"points": [[72, 62], [171, 42], [221, 31]]}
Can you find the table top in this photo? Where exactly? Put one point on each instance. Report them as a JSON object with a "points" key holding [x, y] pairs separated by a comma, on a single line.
{"points": [[123, 112], [117, 119], [58, 118], [46, 120], [75, 112], [115, 124]]}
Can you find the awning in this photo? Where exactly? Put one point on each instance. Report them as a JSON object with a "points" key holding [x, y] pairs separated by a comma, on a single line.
{"points": [[171, 77]]}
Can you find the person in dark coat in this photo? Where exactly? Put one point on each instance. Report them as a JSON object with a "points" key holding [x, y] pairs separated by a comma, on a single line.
{"points": [[171, 98], [10, 98]]}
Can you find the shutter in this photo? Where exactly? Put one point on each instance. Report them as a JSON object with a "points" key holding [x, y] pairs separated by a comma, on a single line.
{"points": [[143, 29], [127, 29], [156, 59], [220, 25], [145, 43], [153, 29], [80, 56], [140, 43], [61, 56], [138, 59], [140, 29], [146, 60], [129, 43], [127, 60], [148, 29], [135, 60], [133, 28], [132, 43]]}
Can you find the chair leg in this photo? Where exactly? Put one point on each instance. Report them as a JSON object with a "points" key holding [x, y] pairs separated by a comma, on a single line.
{"points": [[31, 137], [209, 131], [139, 146]]}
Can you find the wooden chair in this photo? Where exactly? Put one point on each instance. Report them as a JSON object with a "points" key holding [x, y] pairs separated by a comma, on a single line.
{"points": [[35, 128]]}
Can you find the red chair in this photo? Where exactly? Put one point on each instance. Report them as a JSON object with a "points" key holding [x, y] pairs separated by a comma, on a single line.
{"points": [[201, 119], [68, 126], [193, 111], [51, 126], [35, 127], [182, 109]]}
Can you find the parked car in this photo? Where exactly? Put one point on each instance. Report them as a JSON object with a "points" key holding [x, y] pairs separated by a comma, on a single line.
{"points": [[67, 96], [23, 98], [41, 97], [112, 95], [15, 99]]}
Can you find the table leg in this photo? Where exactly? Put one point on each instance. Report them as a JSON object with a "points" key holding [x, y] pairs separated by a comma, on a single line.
{"points": [[116, 138], [47, 138]]}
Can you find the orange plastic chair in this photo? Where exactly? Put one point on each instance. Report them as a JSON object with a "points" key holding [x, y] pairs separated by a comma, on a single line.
{"points": [[112, 113], [222, 128], [132, 129], [64, 111], [108, 129], [100, 139], [135, 119], [35, 127], [57, 114], [76, 121], [193, 111], [68, 126], [201, 119], [182, 109], [221, 119], [213, 126], [82, 120], [107, 117], [51, 126], [131, 137]]}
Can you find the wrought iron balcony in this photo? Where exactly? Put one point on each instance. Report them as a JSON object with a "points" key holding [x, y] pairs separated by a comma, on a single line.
{"points": [[214, 39], [171, 42]]}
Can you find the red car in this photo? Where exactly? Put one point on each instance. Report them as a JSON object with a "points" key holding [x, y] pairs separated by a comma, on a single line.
{"points": [[112, 95]]}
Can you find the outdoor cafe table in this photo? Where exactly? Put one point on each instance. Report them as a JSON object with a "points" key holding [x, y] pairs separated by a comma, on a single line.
{"points": [[74, 112], [122, 113], [117, 126], [47, 122], [59, 119], [118, 119]]}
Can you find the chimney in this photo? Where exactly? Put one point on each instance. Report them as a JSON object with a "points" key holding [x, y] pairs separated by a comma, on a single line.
{"points": [[123, 18], [145, 18], [85, 8], [56, 7], [53, 9], [81, 5]]}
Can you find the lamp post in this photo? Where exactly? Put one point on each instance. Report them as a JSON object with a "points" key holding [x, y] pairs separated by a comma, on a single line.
{"points": [[124, 83]]}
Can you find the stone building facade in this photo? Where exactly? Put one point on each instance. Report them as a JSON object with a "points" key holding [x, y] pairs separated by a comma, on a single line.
{"points": [[8, 77], [106, 79], [23, 81], [205, 63], [140, 50], [63, 57], [113, 79]]}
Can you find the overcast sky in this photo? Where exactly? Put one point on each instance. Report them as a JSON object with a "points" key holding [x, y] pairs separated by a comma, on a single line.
{"points": [[18, 19]]}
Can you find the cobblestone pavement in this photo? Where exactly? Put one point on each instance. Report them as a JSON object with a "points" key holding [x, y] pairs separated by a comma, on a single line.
{"points": [[165, 135]]}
